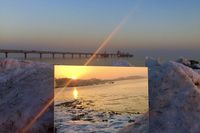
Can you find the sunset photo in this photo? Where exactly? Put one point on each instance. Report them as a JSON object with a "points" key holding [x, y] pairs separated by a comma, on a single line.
{"points": [[99, 99]]}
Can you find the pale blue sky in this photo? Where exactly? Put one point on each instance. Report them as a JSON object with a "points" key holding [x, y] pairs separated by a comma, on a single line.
{"points": [[68, 25]]}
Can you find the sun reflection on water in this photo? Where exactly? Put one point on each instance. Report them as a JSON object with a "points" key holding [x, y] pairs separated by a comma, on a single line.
{"points": [[75, 93]]}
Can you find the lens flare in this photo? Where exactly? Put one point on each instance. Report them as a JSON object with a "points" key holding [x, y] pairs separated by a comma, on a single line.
{"points": [[107, 40], [30, 123], [113, 33]]}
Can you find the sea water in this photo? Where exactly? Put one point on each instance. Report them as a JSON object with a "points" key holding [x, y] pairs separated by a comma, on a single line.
{"points": [[124, 96], [105, 108]]}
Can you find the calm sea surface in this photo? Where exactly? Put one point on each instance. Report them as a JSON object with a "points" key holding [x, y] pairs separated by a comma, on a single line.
{"points": [[125, 96]]}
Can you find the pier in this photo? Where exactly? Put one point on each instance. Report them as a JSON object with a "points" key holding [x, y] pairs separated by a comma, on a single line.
{"points": [[64, 54]]}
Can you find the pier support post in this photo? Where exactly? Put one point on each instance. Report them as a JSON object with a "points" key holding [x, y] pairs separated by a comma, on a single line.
{"points": [[53, 55], [25, 55], [40, 55], [63, 55], [79, 55], [6, 54], [72, 55]]}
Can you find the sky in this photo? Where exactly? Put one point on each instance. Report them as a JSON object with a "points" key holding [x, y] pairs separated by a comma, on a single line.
{"points": [[98, 72], [82, 25]]}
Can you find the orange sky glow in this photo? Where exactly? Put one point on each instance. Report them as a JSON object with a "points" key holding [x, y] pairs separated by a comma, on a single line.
{"points": [[99, 72]]}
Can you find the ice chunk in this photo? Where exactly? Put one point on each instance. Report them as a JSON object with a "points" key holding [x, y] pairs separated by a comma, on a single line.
{"points": [[25, 87]]}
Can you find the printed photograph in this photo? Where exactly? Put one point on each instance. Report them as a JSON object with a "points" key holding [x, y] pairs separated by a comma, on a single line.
{"points": [[99, 98]]}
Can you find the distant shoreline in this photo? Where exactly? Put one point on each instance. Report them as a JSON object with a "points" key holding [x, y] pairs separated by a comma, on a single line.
{"points": [[62, 82]]}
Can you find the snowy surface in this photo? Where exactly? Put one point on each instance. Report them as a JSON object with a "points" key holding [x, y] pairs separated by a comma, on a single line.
{"points": [[190, 63], [174, 94], [25, 87], [74, 117], [174, 98]]}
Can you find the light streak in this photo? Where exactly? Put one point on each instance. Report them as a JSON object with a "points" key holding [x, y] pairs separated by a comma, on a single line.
{"points": [[111, 36], [27, 127]]}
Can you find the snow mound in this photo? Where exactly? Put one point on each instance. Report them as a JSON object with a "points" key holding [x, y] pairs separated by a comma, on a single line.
{"points": [[25, 87], [190, 63], [174, 94]]}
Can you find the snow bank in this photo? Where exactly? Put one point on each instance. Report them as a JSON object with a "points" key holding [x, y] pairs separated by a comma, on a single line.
{"points": [[174, 96], [25, 87], [190, 63]]}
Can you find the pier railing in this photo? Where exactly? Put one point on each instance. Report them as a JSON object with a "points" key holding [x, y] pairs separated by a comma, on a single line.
{"points": [[72, 54]]}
